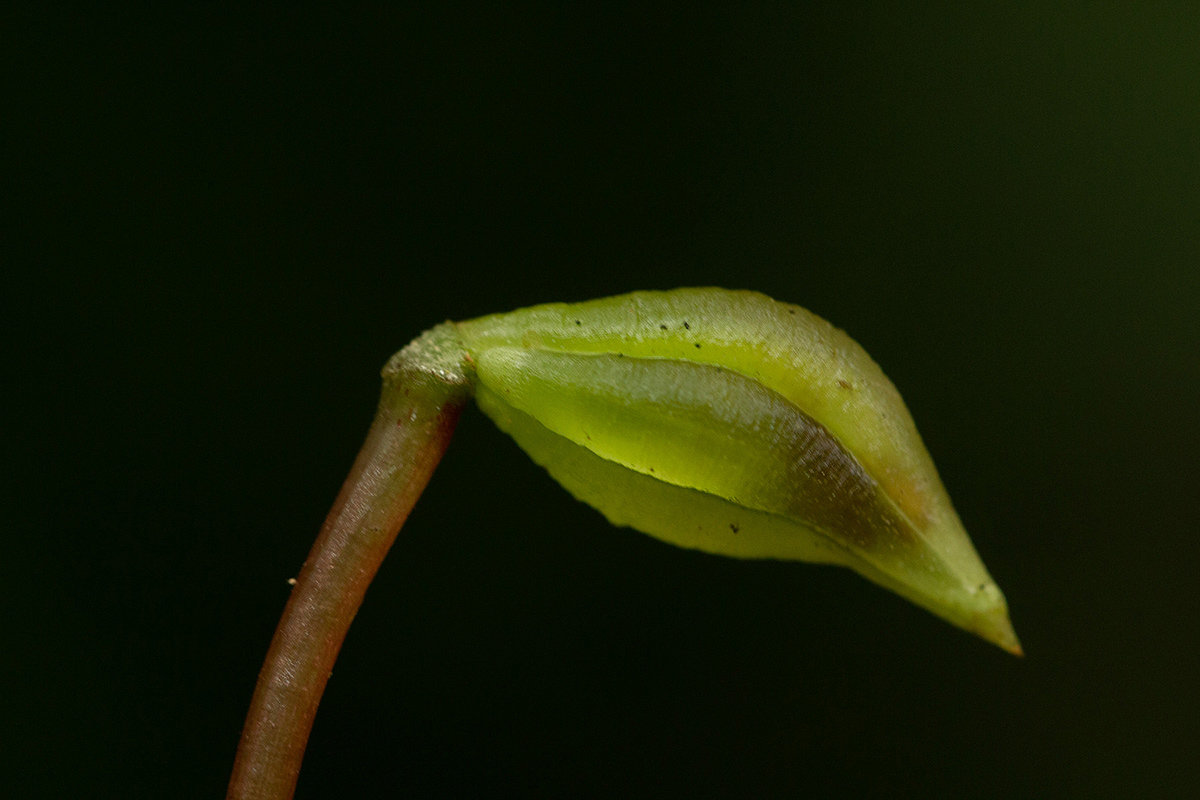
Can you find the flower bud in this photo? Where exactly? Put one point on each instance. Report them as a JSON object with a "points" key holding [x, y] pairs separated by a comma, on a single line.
{"points": [[727, 422]]}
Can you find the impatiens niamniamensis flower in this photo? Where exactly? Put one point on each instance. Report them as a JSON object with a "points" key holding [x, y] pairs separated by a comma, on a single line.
{"points": [[731, 423], [716, 420]]}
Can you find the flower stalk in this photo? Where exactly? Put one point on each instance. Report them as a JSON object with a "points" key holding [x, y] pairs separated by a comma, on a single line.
{"points": [[425, 387]]}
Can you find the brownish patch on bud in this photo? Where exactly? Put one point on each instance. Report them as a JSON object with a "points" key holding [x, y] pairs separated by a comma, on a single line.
{"points": [[835, 494]]}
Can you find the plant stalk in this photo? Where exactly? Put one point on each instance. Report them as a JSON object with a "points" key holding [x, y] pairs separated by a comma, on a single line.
{"points": [[425, 387]]}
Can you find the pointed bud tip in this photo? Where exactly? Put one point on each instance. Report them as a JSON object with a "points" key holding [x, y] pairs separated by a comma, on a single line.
{"points": [[996, 627]]}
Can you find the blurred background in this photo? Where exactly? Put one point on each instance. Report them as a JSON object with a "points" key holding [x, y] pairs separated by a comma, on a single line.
{"points": [[218, 224]]}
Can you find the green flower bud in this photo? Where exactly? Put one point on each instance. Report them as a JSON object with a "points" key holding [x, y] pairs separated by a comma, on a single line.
{"points": [[731, 423]]}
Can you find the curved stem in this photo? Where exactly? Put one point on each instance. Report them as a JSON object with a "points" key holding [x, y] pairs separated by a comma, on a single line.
{"points": [[425, 388]]}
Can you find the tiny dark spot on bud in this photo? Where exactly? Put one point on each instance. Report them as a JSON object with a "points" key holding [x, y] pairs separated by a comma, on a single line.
{"points": [[844, 384], [577, 322], [697, 345], [652, 469], [664, 327], [791, 311], [733, 526], [686, 326]]}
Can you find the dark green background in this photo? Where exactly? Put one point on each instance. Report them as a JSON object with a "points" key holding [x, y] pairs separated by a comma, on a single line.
{"points": [[218, 224]]}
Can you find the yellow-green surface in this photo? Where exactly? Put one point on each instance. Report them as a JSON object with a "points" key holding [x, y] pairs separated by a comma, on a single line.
{"points": [[731, 423]]}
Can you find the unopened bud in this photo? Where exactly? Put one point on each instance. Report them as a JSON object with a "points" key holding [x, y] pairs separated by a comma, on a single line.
{"points": [[731, 423]]}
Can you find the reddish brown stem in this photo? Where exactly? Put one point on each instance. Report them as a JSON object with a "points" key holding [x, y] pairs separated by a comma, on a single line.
{"points": [[425, 388]]}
